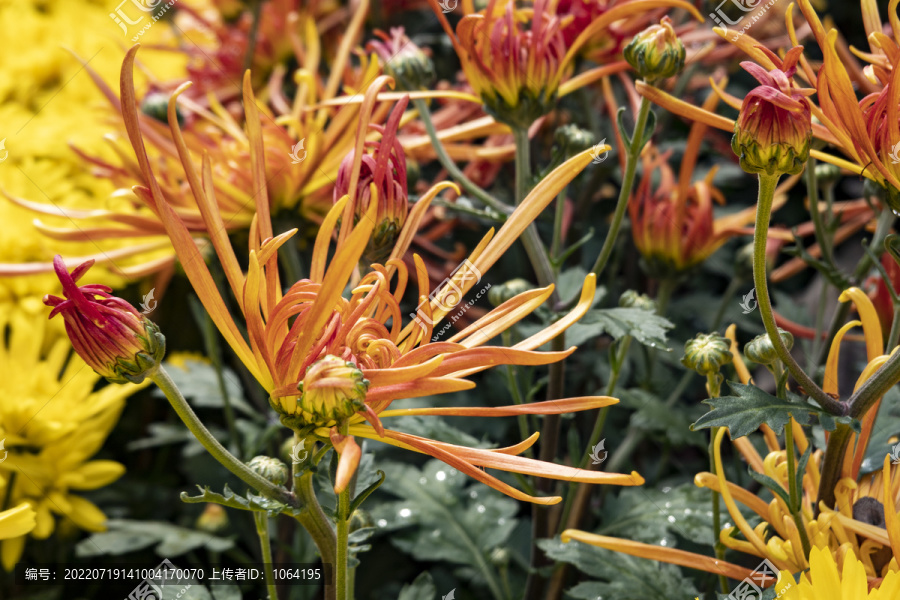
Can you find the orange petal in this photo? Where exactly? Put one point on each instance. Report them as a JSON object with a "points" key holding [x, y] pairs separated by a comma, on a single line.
{"points": [[548, 407], [349, 453], [672, 556]]}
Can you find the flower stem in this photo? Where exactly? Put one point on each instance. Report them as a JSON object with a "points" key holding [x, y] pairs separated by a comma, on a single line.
{"points": [[212, 445], [262, 530], [793, 488], [767, 185], [312, 517], [634, 153], [537, 253], [446, 162]]}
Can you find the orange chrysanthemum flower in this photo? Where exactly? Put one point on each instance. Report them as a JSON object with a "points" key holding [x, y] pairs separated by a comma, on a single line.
{"points": [[291, 333]]}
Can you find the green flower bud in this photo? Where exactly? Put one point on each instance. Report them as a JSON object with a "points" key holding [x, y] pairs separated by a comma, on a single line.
{"points": [[331, 391], [270, 468], [156, 106], [761, 350], [632, 299], [827, 174], [706, 353], [572, 139], [656, 52], [410, 67], [499, 294]]}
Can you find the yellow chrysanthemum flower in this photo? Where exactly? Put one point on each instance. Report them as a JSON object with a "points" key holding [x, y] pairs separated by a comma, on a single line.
{"points": [[51, 423], [825, 582], [16, 521]]}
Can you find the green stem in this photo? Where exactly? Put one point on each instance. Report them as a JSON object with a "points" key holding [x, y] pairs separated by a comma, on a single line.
{"points": [[537, 253], [446, 162], [311, 515], [634, 153], [342, 578], [212, 445], [262, 530], [793, 487], [256, 10], [821, 232], [767, 185]]}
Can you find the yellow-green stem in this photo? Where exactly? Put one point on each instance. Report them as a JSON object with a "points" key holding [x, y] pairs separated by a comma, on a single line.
{"points": [[262, 530], [311, 515], [767, 185], [634, 153], [342, 577]]}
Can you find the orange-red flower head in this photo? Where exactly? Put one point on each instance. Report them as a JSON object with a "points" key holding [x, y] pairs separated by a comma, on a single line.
{"points": [[385, 167], [515, 70], [773, 133], [403, 60], [107, 332]]}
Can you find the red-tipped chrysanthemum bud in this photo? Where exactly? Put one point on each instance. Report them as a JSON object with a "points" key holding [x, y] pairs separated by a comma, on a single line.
{"points": [[408, 64], [656, 52], [773, 132], [109, 334], [385, 166]]}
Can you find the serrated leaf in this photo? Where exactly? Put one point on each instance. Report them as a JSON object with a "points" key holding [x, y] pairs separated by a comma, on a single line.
{"points": [[654, 416], [661, 516], [770, 484], [123, 536], [887, 428], [751, 407], [225, 592], [645, 326], [420, 589], [443, 516], [251, 502], [622, 577]]}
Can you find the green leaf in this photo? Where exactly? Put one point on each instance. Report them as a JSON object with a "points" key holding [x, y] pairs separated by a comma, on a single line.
{"points": [[654, 416], [420, 589], [252, 502], [658, 516], [622, 577], [771, 485], [225, 592], [645, 326], [123, 536], [443, 516], [751, 407], [887, 428]]}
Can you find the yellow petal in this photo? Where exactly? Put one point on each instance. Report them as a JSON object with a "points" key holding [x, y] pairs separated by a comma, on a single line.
{"points": [[16, 521]]}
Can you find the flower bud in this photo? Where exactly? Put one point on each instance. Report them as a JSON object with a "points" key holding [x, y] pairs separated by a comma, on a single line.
{"points": [[499, 294], [773, 132], [331, 391], [269, 468], [156, 106], [827, 174], [213, 519], [706, 353], [761, 350], [631, 299], [572, 139], [385, 167], [656, 52], [408, 64], [109, 334]]}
